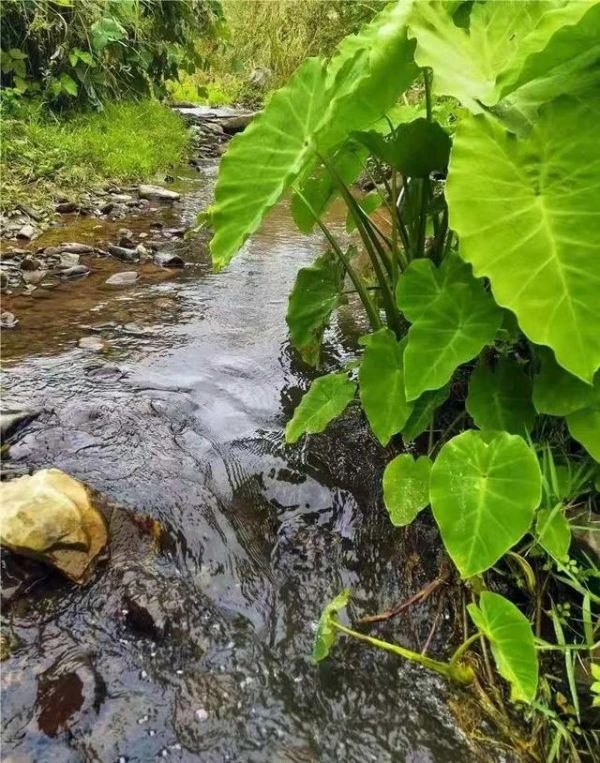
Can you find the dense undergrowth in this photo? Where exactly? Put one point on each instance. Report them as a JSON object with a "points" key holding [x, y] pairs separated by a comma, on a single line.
{"points": [[43, 158]]}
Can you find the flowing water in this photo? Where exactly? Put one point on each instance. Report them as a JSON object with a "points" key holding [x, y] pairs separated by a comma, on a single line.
{"points": [[180, 418]]}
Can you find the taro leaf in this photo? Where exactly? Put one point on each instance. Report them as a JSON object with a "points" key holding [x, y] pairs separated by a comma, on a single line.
{"points": [[483, 492], [325, 635], [381, 380], [106, 30], [68, 84], [504, 40], [500, 397], [556, 392], [415, 149], [527, 213], [326, 399], [453, 319], [313, 113], [511, 638], [553, 532], [315, 296], [584, 426], [422, 412], [406, 488]]}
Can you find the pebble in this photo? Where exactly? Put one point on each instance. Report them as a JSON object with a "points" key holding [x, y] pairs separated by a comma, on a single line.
{"points": [[75, 248], [166, 260], [125, 278], [157, 192], [122, 253], [201, 714], [8, 320]]}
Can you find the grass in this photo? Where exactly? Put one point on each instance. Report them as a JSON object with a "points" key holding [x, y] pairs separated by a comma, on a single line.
{"points": [[127, 142]]}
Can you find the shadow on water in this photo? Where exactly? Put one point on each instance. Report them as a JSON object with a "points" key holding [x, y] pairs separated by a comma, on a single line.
{"points": [[180, 418]]}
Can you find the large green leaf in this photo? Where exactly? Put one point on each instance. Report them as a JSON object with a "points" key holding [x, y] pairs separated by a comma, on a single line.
{"points": [[314, 297], [557, 392], [483, 491], [406, 488], [422, 412], [527, 213], [553, 532], [584, 426], [326, 399], [453, 318], [381, 380], [500, 397], [511, 638], [325, 634]]}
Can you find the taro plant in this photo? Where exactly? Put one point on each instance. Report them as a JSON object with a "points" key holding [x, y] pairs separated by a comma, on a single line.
{"points": [[482, 238]]}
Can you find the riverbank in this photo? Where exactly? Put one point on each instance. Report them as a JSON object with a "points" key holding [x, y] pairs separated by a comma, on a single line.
{"points": [[54, 166]]}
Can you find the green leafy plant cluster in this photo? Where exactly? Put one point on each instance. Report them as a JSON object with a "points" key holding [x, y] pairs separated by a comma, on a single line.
{"points": [[483, 242], [64, 51]]}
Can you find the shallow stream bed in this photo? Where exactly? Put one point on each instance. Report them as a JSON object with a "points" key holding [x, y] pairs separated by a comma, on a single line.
{"points": [[180, 419]]}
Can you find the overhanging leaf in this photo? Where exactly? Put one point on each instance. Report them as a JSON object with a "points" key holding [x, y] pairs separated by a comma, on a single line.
{"points": [[527, 213], [406, 488], [326, 399], [511, 638], [453, 319], [325, 634], [314, 297], [584, 426], [500, 397], [381, 380], [557, 392], [483, 491]]}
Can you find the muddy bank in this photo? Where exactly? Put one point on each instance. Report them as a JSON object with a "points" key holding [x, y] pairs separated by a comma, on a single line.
{"points": [[192, 642]]}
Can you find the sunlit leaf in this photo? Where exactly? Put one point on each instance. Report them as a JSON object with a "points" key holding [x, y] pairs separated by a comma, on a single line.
{"points": [[553, 532], [381, 379], [484, 489], [500, 397], [557, 392], [406, 488], [325, 634], [511, 638], [527, 213], [326, 399], [584, 426]]}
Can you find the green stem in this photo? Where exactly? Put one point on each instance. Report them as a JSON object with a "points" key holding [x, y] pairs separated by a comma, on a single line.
{"points": [[428, 104], [454, 660], [453, 671]]}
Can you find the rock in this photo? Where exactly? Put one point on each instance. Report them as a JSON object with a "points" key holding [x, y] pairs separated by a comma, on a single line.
{"points": [[30, 212], [64, 207], [68, 260], [75, 271], [27, 231], [3, 279], [143, 253], [158, 193], [167, 260], [15, 252], [8, 320], [75, 248], [11, 420], [125, 278], [94, 343], [123, 254], [31, 263], [34, 276], [108, 207], [232, 125], [49, 516], [121, 198], [176, 232], [126, 238], [145, 614]]}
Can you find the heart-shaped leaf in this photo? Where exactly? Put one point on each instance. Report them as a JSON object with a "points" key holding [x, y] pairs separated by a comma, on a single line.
{"points": [[326, 399], [553, 532], [406, 488], [483, 491], [325, 634], [511, 638]]}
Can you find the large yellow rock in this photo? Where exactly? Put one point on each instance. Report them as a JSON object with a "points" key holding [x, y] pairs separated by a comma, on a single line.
{"points": [[49, 516]]}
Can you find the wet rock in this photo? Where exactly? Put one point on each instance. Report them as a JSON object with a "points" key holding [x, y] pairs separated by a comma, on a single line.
{"points": [[8, 320], [94, 343], [68, 260], [143, 253], [75, 248], [145, 614], [125, 278], [14, 252], [3, 279], [108, 207], [64, 207], [232, 125], [10, 421], [75, 271], [122, 253], [27, 231], [157, 193], [176, 232], [121, 198], [49, 517], [168, 260], [125, 238], [34, 276], [31, 263]]}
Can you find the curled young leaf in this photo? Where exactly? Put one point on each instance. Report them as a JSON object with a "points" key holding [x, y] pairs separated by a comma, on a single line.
{"points": [[325, 634]]}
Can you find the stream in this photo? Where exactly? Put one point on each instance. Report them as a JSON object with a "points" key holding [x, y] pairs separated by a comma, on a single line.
{"points": [[225, 543]]}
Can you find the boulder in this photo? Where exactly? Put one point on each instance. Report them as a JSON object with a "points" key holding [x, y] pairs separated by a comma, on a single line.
{"points": [[75, 271], [27, 231], [125, 278], [75, 248], [233, 125], [123, 253], [156, 192], [167, 260], [49, 516]]}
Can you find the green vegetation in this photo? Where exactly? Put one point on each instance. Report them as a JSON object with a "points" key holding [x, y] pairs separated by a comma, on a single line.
{"points": [[483, 313], [43, 158]]}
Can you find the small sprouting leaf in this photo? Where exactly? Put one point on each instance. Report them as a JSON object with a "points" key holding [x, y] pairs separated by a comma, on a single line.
{"points": [[68, 84], [326, 399], [453, 318], [556, 392], [511, 638], [406, 488], [415, 149], [315, 295], [484, 489], [325, 635], [422, 412], [381, 380], [553, 532], [500, 397]]}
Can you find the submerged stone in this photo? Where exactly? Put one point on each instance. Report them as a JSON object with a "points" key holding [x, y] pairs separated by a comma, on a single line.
{"points": [[157, 192]]}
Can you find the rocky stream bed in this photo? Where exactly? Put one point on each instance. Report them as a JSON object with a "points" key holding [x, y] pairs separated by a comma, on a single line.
{"points": [[165, 388]]}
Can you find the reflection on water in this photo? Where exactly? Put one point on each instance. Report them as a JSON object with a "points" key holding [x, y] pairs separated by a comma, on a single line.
{"points": [[180, 418]]}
